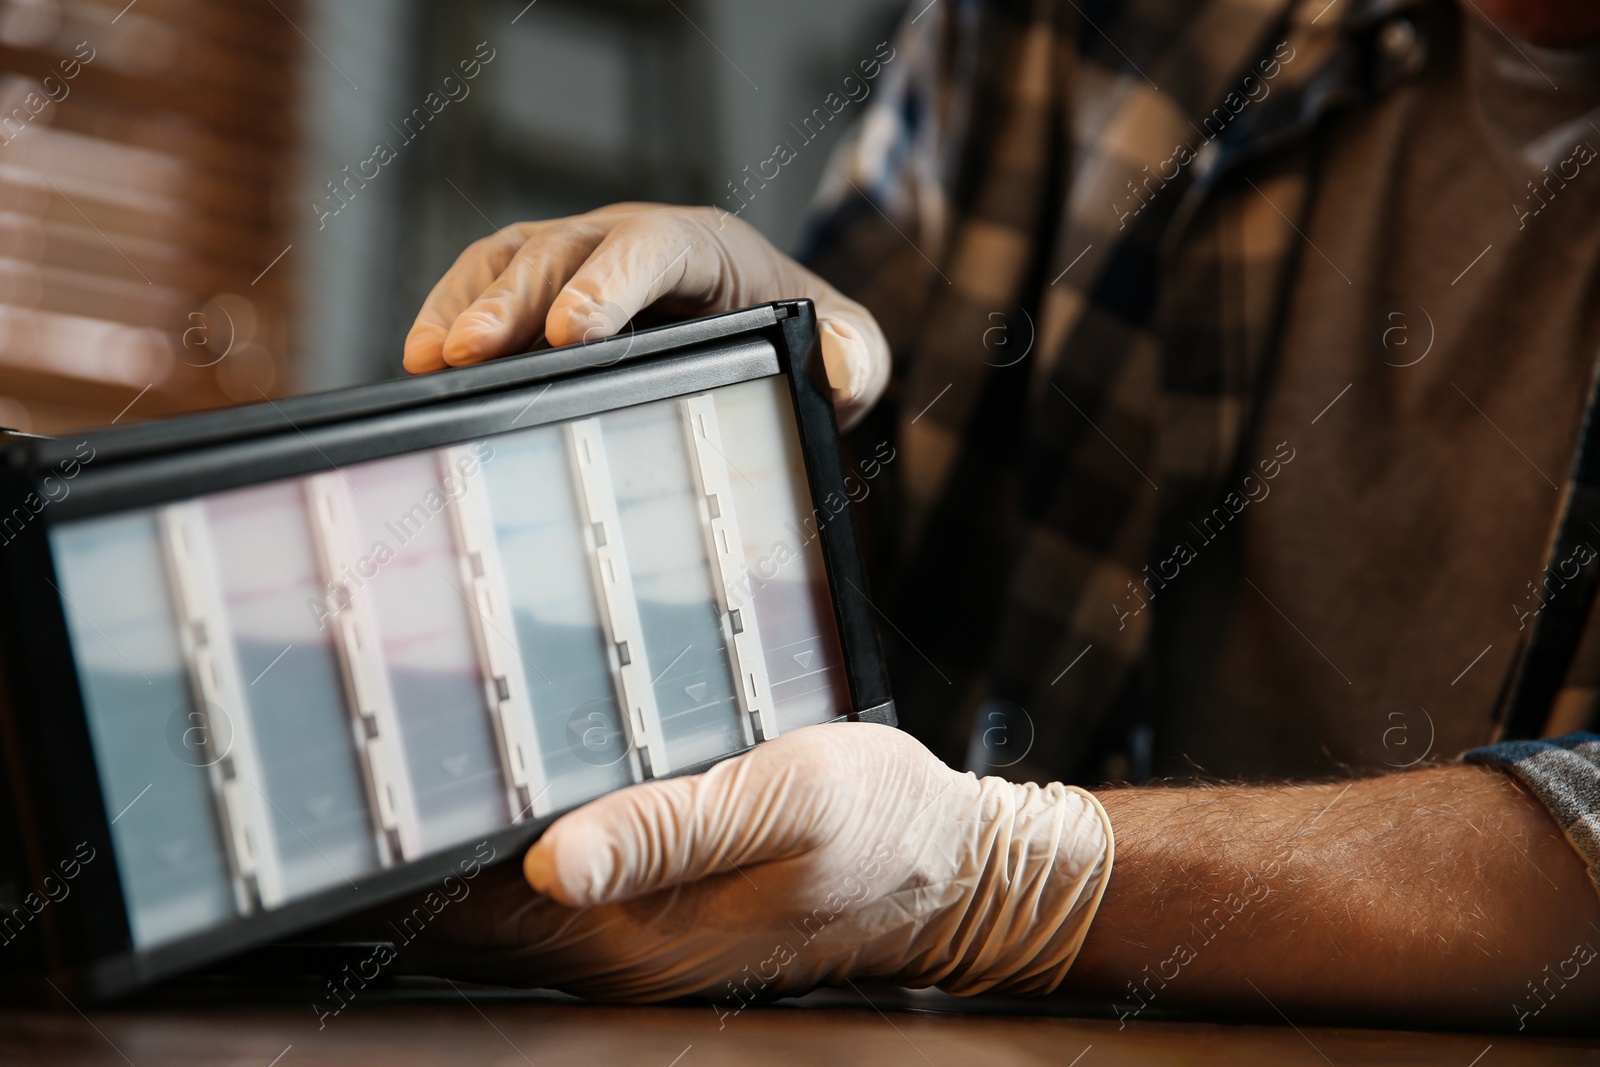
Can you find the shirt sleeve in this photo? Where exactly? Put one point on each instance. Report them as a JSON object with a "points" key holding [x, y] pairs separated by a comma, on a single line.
{"points": [[1563, 773]]}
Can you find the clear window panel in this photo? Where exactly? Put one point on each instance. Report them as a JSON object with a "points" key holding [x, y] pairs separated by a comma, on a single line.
{"points": [[413, 652], [410, 567], [657, 506], [785, 572], [144, 725], [303, 732], [563, 647]]}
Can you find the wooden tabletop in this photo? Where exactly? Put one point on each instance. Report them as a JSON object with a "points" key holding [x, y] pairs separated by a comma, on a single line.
{"points": [[431, 1023]]}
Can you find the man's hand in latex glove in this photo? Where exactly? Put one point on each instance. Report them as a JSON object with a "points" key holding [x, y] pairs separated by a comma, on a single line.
{"points": [[581, 279], [843, 851]]}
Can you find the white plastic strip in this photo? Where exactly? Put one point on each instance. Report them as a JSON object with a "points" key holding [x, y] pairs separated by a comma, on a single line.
{"points": [[618, 606], [366, 677], [726, 549], [236, 776], [494, 629]]}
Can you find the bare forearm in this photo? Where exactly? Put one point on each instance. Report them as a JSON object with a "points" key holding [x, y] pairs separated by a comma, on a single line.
{"points": [[1437, 895]]}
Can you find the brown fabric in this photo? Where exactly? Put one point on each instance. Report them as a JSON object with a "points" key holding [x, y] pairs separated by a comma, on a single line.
{"points": [[1364, 611], [993, 182], [1004, 184]]}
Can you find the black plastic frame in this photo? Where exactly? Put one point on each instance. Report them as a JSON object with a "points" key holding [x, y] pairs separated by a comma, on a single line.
{"points": [[83, 942]]}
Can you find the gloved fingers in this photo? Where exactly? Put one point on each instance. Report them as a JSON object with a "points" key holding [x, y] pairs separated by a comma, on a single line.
{"points": [[763, 806], [855, 356], [473, 271], [589, 856], [476, 269], [505, 934], [645, 256], [508, 315], [647, 838], [585, 277]]}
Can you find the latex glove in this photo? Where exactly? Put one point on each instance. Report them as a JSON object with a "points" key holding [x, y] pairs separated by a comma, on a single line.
{"points": [[842, 851], [580, 279]]}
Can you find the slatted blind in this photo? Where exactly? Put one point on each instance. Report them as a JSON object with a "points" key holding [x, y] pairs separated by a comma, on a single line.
{"points": [[145, 150]]}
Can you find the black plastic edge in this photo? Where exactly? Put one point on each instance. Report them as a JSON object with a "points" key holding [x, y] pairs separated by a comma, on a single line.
{"points": [[56, 788], [295, 451], [883, 714], [203, 453], [841, 552], [130, 970], [317, 409]]}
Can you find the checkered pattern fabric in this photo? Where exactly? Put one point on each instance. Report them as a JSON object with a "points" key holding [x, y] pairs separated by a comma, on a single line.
{"points": [[1564, 774], [1114, 187]]}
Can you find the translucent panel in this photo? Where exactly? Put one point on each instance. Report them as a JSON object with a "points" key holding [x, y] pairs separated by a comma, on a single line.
{"points": [[413, 574], [662, 528], [414, 652], [135, 684], [786, 577], [548, 579], [267, 571]]}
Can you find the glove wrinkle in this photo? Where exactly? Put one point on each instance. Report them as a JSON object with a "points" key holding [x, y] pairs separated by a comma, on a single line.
{"points": [[834, 853]]}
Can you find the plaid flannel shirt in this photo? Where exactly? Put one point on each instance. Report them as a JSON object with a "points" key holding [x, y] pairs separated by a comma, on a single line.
{"points": [[1077, 222], [1036, 163]]}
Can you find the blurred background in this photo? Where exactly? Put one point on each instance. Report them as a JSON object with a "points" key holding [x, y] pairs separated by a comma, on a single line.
{"points": [[205, 202]]}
